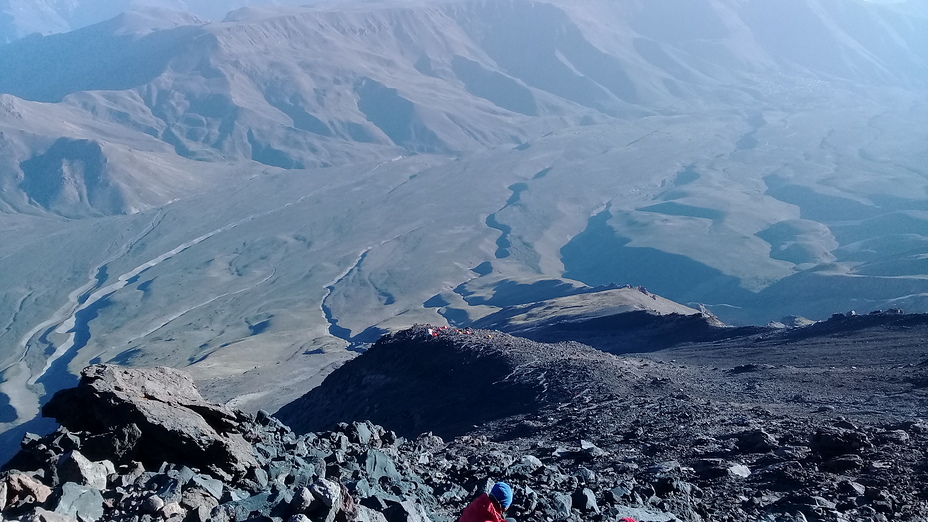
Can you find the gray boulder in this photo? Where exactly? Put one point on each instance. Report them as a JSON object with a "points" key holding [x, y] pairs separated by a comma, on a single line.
{"points": [[561, 504], [212, 486], [645, 514], [43, 515], [302, 501], [328, 498], [836, 441], [17, 489], [327, 492], [585, 500], [527, 465], [176, 423], [81, 502], [406, 511], [363, 433], [199, 504], [152, 505], [369, 515], [378, 465], [757, 441], [75, 467]]}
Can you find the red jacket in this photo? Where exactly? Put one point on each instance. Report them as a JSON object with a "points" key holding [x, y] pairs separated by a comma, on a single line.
{"points": [[481, 509]]}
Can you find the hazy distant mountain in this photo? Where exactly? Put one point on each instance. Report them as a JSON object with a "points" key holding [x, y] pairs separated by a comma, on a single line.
{"points": [[20, 18], [253, 196], [300, 87]]}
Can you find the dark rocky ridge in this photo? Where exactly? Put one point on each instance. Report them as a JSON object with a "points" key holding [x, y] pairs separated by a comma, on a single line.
{"points": [[788, 404], [632, 332], [416, 382], [645, 331]]}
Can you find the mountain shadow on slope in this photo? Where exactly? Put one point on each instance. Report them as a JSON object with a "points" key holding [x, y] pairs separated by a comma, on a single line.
{"points": [[396, 116], [631, 332], [539, 45], [675, 276], [102, 57], [412, 382], [494, 86], [72, 178]]}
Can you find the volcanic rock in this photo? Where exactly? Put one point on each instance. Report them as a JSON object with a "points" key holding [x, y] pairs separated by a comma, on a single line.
{"points": [[172, 422], [446, 383], [837, 441], [74, 467], [585, 500], [757, 441], [17, 489], [152, 504], [681, 439], [80, 502], [610, 437]]}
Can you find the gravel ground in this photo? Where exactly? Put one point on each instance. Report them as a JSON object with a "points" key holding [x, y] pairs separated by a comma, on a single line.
{"points": [[827, 420]]}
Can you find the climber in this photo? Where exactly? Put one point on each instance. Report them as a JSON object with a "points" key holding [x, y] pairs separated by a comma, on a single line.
{"points": [[489, 507]]}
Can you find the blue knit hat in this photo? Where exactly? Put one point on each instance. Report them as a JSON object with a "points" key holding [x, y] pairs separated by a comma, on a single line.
{"points": [[503, 493]]}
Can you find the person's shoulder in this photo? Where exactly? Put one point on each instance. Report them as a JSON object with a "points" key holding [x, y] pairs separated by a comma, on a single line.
{"points": [[478, 510], [482, 498]]}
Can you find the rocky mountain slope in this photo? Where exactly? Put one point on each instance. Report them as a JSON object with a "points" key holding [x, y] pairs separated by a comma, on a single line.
{"points": [[830, 364], [259, 198], [579, 433], [805, 411], [448, 383]]}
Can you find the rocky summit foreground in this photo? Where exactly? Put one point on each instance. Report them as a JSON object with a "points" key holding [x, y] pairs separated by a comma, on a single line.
{"points": [[580, 434], [102, 464]]}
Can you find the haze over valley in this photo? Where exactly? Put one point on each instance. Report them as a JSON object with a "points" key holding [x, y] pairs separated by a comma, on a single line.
{"points": [[257, 198]]}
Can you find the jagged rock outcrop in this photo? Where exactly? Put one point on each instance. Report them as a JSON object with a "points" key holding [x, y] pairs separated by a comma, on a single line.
{"points": [[154, 415]]}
